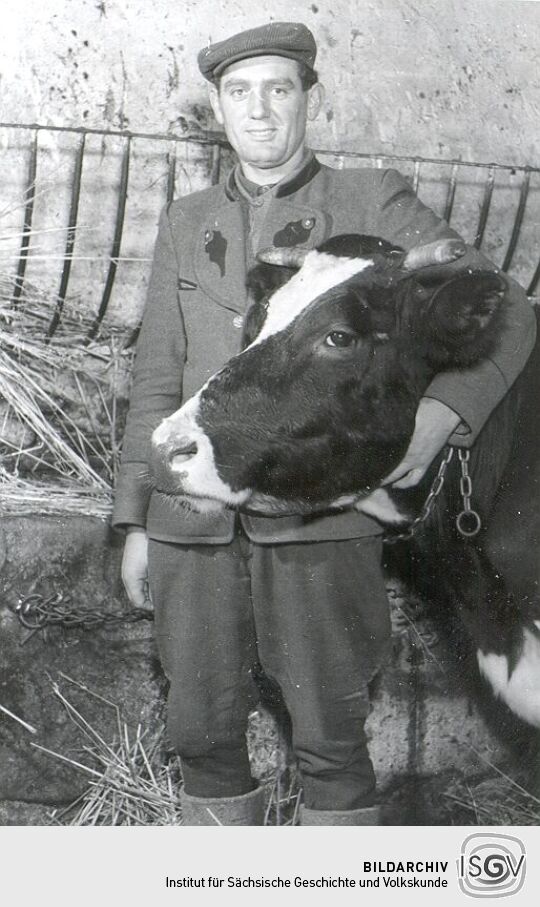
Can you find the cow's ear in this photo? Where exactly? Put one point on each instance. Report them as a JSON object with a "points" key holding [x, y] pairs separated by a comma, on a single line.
{"points": [[264, 279], [463, 318]]}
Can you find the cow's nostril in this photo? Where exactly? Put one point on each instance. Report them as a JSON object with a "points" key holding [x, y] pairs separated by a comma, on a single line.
{"points": [[183, 452]]}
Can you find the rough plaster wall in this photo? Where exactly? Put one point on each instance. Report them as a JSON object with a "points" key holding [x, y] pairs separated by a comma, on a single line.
{"points": [[437, 78], [457, 77]]}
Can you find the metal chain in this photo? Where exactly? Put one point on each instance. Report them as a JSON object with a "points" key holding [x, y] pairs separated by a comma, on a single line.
{"points": [[35, 612], [429, 503], [468, 522]]}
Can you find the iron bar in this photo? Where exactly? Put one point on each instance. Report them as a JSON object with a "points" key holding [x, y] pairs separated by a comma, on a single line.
{"points": [[117, 240], [171, 176], [70, 240], [367, 155], [451, 193], [28, 218], [209, 138], [215, 165], [484, 210], [416, 175], [534, 282], [523, 195], [213, 138]]}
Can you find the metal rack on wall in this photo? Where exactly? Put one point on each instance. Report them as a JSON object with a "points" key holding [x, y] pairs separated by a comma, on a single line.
{"points": [[452, 175]]}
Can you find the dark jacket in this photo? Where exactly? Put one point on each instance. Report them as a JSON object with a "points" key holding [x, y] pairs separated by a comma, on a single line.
{"points": [[193, 324]]}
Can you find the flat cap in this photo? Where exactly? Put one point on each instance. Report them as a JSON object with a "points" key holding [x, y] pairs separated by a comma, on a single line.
{"points": [[282, 39]]}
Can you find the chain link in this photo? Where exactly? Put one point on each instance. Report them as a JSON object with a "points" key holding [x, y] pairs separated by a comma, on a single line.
{"points": [[468, 521], [434, 492], [36, 612]]}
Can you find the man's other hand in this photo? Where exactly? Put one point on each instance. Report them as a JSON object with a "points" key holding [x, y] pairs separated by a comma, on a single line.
{"points": [[135, 567], [434, 424]]}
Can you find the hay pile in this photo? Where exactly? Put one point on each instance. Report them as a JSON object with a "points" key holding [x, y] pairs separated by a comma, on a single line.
{"points": [[496, 800], [133, 779], [62, 403]]}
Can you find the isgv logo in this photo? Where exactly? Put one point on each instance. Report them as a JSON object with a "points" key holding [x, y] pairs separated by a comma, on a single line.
{"points": [[491, 865]]}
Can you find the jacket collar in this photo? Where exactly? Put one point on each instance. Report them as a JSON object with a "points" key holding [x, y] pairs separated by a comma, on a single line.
{"points": [[295, 182]]}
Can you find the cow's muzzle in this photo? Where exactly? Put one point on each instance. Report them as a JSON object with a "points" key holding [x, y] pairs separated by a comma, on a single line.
{"points": [[171, 450], [182, 461]]}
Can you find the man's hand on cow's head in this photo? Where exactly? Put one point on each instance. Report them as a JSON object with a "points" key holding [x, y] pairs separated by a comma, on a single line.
{"points": [[434, 424]]}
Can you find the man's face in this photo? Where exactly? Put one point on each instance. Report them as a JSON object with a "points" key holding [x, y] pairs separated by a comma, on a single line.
{"points": [[264, 109]]}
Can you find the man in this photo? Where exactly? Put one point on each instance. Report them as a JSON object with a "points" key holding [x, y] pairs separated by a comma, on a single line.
{"points": [[305, 598]]}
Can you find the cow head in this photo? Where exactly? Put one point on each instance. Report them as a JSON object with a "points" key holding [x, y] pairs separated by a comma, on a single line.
{"points": [[319, 407]]}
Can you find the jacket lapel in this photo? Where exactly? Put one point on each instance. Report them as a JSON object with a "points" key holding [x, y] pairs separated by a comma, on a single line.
{"points": [[220, 256], [220, 251], [291, 224]]}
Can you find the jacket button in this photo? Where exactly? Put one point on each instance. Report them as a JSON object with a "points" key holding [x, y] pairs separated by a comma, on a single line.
{"points": [[308, 223], [238, 321]]}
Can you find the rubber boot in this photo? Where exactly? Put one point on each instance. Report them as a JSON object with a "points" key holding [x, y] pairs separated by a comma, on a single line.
{"points": [[368, 815], [247, 809]]}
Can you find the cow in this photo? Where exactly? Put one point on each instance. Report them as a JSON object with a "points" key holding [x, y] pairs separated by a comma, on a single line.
{"points": [[319, 407]]}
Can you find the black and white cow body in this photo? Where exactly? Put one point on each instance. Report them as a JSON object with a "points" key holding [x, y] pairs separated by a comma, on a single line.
{"points": [[320, 406]]}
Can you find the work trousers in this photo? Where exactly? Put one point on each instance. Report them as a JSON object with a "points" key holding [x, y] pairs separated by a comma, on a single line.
{"points": [[315, 617]]}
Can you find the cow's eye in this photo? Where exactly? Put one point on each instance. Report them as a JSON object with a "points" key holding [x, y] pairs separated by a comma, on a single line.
{"points": [[340, 339]]}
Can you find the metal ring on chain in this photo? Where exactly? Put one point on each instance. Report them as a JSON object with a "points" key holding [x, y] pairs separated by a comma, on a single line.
{"points": [[475, 523]]}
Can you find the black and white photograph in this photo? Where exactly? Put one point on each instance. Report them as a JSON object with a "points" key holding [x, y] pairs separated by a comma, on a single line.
{"points": [[269, 423]]}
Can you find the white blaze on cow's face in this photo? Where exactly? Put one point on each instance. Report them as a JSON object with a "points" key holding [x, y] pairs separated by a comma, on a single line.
{"points": [[184, 460], [319, 273]]}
